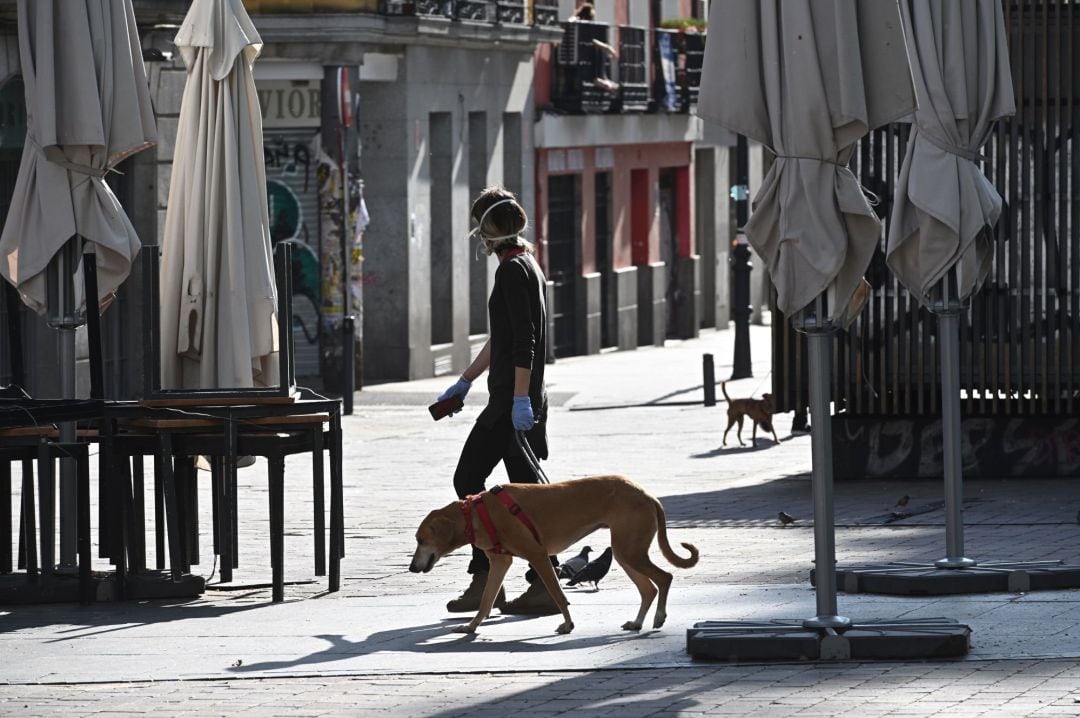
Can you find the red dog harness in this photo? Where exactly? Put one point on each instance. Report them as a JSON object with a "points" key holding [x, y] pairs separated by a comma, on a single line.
{"points": [[477, 501]]}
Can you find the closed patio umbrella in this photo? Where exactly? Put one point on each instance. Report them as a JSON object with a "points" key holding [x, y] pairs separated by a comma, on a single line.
{"points": [[88, 107], [943, 202], [940, 244], [808, 78], [218, 299]]}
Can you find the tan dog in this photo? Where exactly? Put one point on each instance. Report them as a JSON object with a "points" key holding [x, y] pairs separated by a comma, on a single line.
{"points": [[759, 411], [562, 513]]}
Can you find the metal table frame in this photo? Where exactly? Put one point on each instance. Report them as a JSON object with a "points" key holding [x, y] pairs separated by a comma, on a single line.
{"points": [[236, 435]]}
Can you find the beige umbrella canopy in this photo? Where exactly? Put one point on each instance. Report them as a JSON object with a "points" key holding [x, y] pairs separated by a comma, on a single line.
{"points": [[943, 203], [808, 78], [218, 299], [88, 107]]}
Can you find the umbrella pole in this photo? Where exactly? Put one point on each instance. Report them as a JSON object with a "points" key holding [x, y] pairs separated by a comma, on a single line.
{"points": [[68, 503], [63, 315], [819, 346], [949, 337]]}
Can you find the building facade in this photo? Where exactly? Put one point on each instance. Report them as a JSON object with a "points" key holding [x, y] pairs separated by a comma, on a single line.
{"points": [[627, 191], [631, 191], [444, 101]]}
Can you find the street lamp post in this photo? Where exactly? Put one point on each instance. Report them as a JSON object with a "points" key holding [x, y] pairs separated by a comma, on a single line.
{"points": [[740, 264]]}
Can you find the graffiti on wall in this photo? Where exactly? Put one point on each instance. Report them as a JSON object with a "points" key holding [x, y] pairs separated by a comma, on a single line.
{"points": [[293, 204], [1031, 446]]}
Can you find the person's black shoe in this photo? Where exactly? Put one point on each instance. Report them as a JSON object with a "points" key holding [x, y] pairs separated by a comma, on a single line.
{"points": [[469, 602], [536, 601]]}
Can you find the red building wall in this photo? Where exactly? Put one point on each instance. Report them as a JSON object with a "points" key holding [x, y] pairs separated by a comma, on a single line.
{"points": [[635, 210]]}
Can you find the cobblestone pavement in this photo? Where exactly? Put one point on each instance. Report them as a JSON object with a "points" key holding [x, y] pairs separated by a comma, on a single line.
{"points": [[380, 645], [964, 689]]}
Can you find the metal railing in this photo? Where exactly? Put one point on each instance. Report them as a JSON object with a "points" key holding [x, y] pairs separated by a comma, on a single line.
{"points": [[584, 81], [633, 69]]}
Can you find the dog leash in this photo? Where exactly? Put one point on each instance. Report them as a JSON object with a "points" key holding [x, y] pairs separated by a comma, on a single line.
{"points": [[761, 383], [530, 457]]}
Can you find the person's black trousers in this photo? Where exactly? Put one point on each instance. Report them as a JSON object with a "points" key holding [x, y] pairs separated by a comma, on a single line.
{"points": [[483, 450]]}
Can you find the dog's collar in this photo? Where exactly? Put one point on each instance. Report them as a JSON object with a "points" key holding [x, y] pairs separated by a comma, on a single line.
{"points": [[477, 500]]}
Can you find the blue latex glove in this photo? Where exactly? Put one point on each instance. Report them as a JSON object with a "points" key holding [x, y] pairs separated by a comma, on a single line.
{"points": [[460, 388], [522, 413]]}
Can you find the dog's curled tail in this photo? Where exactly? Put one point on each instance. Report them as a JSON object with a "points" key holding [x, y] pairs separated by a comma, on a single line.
{"points": [[723, 388], [665, 548]]}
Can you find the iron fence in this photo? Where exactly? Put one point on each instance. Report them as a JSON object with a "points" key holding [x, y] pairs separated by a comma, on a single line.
{"points": [[1020, 335]]}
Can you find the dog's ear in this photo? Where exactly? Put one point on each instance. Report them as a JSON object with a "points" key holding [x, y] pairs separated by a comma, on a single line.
{"points": [[442, 530]]}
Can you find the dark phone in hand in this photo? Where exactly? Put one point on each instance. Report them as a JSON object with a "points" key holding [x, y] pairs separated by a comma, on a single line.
{"points": [[446, 407]]}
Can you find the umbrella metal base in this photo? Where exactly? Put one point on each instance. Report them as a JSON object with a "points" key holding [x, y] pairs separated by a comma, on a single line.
{"points": [[790, 640], [928, 579]]}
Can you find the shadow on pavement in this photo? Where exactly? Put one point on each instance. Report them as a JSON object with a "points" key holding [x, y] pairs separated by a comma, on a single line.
{"points": [[658, 401], [104, 618], [758, 445], [584, 692], [419, 639]]}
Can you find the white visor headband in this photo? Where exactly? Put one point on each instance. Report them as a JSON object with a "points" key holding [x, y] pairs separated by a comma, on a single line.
{"points": [[484, 216]]}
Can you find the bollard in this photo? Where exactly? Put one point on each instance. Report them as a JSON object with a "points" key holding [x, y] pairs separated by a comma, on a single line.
{"points": [[741, 267], [348, 363], [709, 379]]}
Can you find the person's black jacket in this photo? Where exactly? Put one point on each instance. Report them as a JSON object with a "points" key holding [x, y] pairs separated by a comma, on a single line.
{"points": [[518, 317]]}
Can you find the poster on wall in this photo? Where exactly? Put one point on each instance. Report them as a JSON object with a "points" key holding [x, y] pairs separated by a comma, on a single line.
{"points": [[292, 188], [331, 225]]}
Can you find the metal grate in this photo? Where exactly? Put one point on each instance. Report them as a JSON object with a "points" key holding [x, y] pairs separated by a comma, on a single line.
{"points": [[1020, 338], [633, 69], [579, 67], [545, 12], [513, 13]]}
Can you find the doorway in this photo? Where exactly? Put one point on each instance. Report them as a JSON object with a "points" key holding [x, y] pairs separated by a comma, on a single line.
{"points": [[609, 320], [669, 246], [564, 235]]}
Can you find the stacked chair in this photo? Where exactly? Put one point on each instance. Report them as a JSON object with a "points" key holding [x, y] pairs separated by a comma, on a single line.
{"points": [[174, 427], [29, 436]]}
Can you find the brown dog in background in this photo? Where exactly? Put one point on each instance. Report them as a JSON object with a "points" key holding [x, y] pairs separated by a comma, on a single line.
{"points": [[759, 411]]}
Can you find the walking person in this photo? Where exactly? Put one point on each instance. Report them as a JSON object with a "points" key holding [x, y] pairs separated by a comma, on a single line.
{"points": [[514, 358]]}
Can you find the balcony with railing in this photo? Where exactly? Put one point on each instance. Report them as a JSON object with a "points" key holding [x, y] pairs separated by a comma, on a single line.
{"points": [[515, 12], [599, 68], [516, 25]]}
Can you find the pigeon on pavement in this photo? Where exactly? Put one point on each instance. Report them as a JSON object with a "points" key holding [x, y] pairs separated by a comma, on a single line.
{"points": [[901, 506], [594, 570], [570, 567], [785, 518]]}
